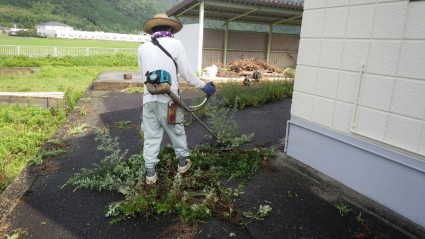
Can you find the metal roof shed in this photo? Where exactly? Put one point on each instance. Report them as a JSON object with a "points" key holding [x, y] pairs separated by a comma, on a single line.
{"points": [[268, 12]]}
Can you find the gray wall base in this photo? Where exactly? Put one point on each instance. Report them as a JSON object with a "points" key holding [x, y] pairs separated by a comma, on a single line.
{"points": [[393, 180]]}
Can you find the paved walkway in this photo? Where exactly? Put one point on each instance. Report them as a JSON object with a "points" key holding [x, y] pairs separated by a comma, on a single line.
{"points": [[303, 200]]}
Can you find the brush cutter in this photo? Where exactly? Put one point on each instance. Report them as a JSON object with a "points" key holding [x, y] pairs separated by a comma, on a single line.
{"points": [[192, 109]]}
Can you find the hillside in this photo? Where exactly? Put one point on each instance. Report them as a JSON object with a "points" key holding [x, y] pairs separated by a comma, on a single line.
{"points": [[122, 16]]}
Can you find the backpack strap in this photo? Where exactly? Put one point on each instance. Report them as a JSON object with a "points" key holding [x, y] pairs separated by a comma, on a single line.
{"points": [[156, 43]]}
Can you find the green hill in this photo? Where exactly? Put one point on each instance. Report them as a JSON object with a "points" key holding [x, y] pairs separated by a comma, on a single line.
{"points": [[122, 16]]}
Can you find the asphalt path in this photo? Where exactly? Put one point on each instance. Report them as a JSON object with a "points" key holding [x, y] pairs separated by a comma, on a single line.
{"points": [[302, 199]]}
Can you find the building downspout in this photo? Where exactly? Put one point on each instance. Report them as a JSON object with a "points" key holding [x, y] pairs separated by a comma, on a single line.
{"points": [[357, 99]]}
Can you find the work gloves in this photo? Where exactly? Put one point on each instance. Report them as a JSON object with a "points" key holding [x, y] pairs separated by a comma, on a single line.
{"points": [[209, 89]]}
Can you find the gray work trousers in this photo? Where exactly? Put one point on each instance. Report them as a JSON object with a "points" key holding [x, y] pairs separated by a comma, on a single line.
{"points": [[153, 125]]}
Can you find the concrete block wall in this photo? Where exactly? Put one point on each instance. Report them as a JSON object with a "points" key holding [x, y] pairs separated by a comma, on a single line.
{"points": [[385, 101]]}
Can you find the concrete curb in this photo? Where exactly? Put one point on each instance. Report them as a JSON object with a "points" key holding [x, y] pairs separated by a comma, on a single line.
{"points": [[13, 194]]}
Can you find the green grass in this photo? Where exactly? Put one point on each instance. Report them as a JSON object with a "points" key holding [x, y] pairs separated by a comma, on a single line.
{"points": [[112, 60], [33, 41], [23, 131], [51, 78]]}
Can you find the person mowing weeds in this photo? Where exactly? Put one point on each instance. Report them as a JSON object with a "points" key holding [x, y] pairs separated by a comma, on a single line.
{"points": [[159, 62]]}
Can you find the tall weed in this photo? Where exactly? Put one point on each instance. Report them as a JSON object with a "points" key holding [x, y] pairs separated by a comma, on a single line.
{"points": [[224, 125], [256, 94]]}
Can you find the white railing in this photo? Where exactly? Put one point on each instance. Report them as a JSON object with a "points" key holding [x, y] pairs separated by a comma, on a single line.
{"points": [[33, 51]]}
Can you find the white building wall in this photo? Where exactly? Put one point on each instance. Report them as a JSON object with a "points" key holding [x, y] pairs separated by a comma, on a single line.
{"points": [[388, 38], [360, 94], [190, 43], [69, 33]]}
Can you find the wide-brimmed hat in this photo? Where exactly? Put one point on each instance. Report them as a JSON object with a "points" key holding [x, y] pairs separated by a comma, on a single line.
{"points": [[161, 19]]}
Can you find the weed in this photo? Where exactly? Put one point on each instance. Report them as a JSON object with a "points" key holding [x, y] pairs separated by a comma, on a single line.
{"points": [[23, 130], [52, 153], [84, 111], [121, 124], [256, 94], [132, 90], [141, 135], [224, 125], [16, 234], [343, 209], [113, 173], [71, 98], [260, 215], [35, 160], [196, 196], [291, 195], [78, 129], [38, 158], [359, 217]]}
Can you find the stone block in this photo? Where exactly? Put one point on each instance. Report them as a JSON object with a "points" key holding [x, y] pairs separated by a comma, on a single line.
{"points": [[371, 123], [355, 53], [389, 20], [342, 117], [312, 24], [312, 4], [408, 98], [360, 21], [331, 53], [302, 105], [415, 23], [305, 79], [323, 111], [404, 132], [376, 92], [383, 57], [309, 52], [347, 86], [335, 20], [412, 60], [327, 83]]}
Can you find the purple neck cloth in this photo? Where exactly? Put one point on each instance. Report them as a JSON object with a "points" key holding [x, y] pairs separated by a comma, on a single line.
{"points": [[162, 34]]}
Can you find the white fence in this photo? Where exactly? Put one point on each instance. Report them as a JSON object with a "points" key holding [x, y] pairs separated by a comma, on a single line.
{"points": [[61, 51]]}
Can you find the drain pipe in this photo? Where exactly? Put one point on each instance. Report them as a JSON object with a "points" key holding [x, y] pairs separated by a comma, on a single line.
{"points": [[357, 99]]}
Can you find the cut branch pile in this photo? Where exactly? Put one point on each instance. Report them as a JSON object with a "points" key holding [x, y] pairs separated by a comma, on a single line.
{"points": [[247, 66]]}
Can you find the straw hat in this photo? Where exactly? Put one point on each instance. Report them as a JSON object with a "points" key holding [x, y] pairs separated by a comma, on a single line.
{"points": [[162, 19]]}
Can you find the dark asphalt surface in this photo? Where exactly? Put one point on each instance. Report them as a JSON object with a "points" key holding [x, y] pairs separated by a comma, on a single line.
{"points": [[302, 199]]}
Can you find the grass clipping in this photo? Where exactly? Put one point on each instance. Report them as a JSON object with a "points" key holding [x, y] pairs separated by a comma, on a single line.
{"points": [[197, 195]]}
